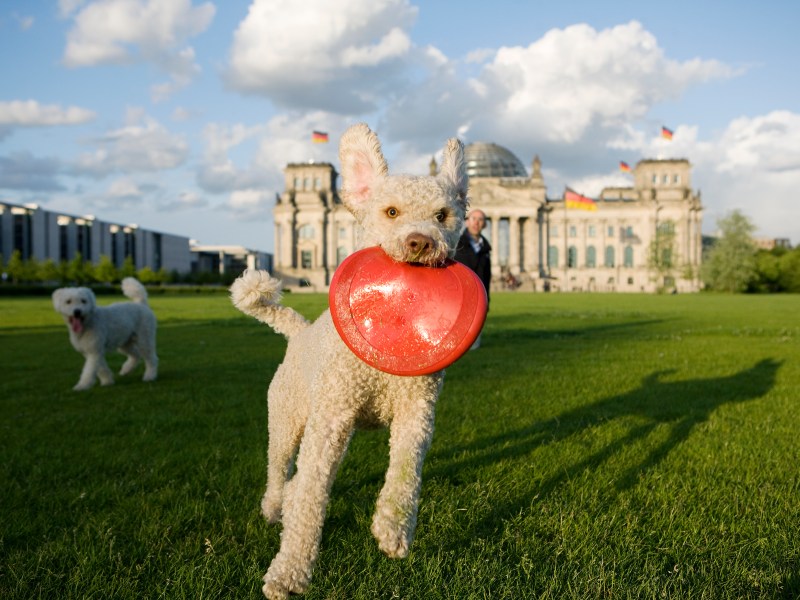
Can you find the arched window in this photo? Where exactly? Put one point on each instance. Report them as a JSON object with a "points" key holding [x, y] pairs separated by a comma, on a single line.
{"points": [[591, 257], [609, 256], [572, 257], [552, 256], [628, 256]]}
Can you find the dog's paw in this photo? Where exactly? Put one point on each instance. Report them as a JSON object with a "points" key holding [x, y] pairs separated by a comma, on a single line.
{"points": [[255, 288], [271, 509], [392, 539], [80, 387], [283, 578]]}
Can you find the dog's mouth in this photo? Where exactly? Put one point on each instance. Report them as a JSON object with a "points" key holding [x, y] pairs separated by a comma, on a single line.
{"points": [[76, 322]]}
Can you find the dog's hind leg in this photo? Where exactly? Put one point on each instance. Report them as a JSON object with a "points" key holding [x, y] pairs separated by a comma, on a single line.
{"points": [[129, 350], [282, 450], [324, 443], [411, 432]]}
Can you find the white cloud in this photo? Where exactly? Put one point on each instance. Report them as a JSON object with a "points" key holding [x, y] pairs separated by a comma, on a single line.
{"points": [[126, 31], [336, 56], [123, 189], [29, 113], [753, 166], [284, 139], [249, 204], [137, 147], [577, 78]]}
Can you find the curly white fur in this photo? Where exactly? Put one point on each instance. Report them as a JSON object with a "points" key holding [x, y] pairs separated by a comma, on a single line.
{"points": [[129, 327], [322, 391]]}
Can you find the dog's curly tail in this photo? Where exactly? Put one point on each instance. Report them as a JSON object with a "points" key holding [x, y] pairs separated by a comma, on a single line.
{"points": [[134, 290], [257, 294]]}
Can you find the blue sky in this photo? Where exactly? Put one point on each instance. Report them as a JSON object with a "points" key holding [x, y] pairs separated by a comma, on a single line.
{"points": [[179, 115]]}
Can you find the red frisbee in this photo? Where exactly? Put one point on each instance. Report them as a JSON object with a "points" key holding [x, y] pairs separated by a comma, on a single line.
{"points": [[402, 318]]}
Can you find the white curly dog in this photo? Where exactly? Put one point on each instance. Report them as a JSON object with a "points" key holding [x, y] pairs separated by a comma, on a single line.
{"points": [[129, 327], [322, 391]]}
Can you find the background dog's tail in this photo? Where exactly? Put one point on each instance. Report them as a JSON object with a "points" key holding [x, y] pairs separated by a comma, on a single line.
{"points": [[134, 290], [257, 294]]}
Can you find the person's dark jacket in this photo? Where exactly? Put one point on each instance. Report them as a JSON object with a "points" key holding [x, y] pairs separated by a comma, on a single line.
{"points": [[480, 262]]}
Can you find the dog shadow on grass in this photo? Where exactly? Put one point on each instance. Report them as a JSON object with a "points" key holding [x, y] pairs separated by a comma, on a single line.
{"points": [[680, 406]]}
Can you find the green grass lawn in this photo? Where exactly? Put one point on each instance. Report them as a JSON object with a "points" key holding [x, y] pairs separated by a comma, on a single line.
{"points": [[614, 446]]}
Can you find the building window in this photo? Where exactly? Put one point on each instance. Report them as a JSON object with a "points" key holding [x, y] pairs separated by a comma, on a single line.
{"points": [[628, 258], [341, 254], [552, 256], [306, 232], [592, 231], [63, 238], [665, 179], [610, 231], [572, 257], [573, 231], [553, 231], [676, 179], [655, 179], [297, 183], [305, 259], [306, 183], [630, 280], [609, 256], [317, 183], [591, 257]]}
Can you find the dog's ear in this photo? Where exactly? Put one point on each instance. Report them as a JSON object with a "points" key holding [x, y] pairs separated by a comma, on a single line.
{"points": [[454, 169], [363, 165], [56, 297]]}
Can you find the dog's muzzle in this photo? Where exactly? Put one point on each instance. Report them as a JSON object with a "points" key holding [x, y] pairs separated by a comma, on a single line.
{"points": [[76, 321]]}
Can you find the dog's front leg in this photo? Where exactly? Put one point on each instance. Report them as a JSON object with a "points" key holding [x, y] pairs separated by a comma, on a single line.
{"points": [[411, 432], [324, 443], [94, 367]]}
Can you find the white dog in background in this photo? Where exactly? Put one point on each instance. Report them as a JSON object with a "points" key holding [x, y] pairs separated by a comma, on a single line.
{"points": [[129, 327]]}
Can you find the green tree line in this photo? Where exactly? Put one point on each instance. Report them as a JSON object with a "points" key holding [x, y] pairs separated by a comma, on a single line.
{"points": [[735, 264]]}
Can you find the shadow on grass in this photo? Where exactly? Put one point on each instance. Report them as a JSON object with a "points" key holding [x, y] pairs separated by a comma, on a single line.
{"points": [[680, 405]]}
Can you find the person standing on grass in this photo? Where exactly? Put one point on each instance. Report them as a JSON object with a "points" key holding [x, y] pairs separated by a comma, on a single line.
{"points": [[475, 252]]}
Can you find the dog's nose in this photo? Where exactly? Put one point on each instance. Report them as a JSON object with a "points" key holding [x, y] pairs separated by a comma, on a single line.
{"points": [[76, 312], [419, 244]]}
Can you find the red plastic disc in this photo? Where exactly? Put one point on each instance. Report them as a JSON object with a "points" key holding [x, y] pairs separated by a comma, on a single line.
{"points": [[402, 318]]}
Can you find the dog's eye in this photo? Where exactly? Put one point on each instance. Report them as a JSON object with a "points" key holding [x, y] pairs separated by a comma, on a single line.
{"points": [[83, 300], [441, 216], [392, 212], [69, 301]]}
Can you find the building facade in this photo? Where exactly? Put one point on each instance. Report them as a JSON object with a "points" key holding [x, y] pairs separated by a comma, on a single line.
{"points": [[231, 260], [642, 238], [43, 234]]}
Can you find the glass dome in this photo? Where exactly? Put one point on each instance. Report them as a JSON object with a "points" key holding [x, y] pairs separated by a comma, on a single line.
{"points": [[490, 160]]}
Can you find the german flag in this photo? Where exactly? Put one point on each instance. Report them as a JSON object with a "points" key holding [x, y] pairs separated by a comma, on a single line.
{"points": [[624, 167], [319, 137], [575, 200], [666, 133]]}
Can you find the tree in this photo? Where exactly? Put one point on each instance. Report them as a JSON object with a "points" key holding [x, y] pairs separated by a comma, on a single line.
{"points": [[128, 268], [789, 267], [48, 271], [15, 267], [105, 271], [661, 257], [730, 265]]}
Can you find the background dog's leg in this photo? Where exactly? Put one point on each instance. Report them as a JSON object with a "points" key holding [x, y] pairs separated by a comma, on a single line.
{"points": [[411, 432], [95, 366], [131, 361], [324, 443]]}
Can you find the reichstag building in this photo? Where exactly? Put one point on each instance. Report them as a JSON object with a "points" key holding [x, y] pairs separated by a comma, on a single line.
{"points": [[643, 238]]}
